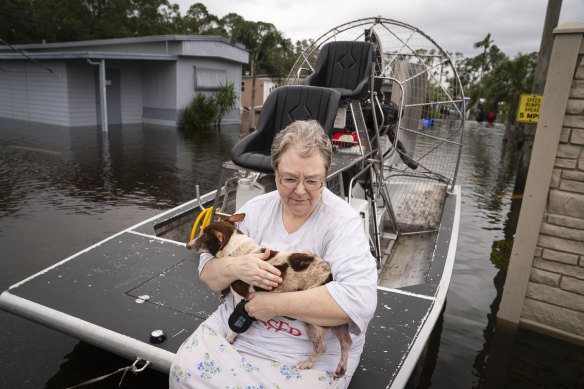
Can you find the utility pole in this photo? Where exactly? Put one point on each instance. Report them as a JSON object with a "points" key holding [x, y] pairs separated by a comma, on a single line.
{"points": [[253, 91], [543, 59]]}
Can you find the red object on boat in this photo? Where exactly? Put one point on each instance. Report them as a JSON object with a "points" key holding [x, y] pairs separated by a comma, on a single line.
{"points": [[344, 139]]}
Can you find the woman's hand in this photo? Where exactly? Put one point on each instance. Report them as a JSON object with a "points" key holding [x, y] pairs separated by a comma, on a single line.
{"points": [[219, 273], [254, 270], [261, 305], [314, 305]]}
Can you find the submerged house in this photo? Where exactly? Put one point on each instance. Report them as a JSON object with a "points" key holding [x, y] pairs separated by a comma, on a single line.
{"points": [[264, 86], [147, 79]]}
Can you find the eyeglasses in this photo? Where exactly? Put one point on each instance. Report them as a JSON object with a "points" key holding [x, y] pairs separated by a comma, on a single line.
{"points": [[292, 182]]}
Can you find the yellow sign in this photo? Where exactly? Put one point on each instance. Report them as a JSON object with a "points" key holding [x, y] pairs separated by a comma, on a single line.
{"points": [[528, 111]]}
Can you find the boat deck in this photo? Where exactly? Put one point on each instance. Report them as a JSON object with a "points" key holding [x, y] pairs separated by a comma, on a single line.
{"points": [[116, 292]]}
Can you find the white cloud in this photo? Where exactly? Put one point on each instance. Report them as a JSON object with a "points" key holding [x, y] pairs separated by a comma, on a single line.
{"points": [[515, 26]]}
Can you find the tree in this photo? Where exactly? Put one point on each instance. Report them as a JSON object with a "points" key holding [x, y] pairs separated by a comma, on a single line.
{"points": [[473, 70], [494, 56], [27, 21], [230, 23], [226, 99], [508, 80], [17, 21], [151, 17], [198, 21], [64, 20], [262, 40], [485, 44], [497, 79]]}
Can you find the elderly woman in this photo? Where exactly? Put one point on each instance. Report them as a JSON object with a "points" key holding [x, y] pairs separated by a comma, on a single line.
{"points": [[302, 215]]}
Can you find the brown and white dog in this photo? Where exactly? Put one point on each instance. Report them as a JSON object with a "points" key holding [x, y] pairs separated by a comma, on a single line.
{"points": [[299, 271]]}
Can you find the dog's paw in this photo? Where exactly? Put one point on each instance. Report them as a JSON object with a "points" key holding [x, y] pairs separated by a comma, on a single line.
{"points": [[231, 337], [304, 365], [341, 370]]}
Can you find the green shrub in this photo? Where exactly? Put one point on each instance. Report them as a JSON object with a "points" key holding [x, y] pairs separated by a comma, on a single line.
{"points": [[226, 99], [200, 114]]}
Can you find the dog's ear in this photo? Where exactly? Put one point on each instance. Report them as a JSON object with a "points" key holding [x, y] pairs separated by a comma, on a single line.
{"points": [[218, 234], [235, 218]]}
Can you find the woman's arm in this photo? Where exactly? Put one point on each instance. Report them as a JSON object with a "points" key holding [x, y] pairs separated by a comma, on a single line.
{"points": [[314, 306], [219, 273], [350, 298]]}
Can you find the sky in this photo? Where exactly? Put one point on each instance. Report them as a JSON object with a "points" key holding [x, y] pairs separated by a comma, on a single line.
{"points": [[515, 25]]}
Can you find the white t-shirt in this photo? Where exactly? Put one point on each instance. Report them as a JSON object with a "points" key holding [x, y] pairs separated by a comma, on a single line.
{"points": [[334, 231]]}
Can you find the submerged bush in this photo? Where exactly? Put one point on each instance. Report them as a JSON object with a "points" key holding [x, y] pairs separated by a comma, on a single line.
{"points": [[200, 113], [226, 100]]}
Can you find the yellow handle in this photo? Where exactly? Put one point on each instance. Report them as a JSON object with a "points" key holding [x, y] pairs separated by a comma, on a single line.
{"points": [[207, 219], [206, 216]]}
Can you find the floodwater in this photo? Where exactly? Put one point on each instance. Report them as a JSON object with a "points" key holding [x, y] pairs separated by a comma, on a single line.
{"points": [[63, 189]]}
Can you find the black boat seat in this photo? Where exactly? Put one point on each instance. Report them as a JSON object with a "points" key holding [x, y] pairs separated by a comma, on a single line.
{"points": [[344, 66], [282, 107]]}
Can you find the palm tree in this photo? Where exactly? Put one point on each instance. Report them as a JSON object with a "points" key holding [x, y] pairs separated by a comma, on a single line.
{"points": [[226, 99], [485, 44]]}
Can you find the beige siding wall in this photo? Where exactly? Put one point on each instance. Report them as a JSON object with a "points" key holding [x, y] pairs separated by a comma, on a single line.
{"points": [[264, 86]]}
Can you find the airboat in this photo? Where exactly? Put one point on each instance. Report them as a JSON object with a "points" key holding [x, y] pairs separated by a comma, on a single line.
{"points": [[391, 101]]}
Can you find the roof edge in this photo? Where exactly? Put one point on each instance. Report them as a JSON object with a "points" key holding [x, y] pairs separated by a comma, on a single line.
{"points": [[118, 41]]}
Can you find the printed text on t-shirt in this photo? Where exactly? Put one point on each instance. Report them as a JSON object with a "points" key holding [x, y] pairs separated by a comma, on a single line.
{"points": [[278, 325]]}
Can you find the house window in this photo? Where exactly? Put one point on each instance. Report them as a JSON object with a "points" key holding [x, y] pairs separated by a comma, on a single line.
{"points": [[242, 86], [209, 79]]}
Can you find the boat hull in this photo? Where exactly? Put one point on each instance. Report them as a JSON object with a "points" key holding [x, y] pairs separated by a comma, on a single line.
{"points": [[115, 293]]}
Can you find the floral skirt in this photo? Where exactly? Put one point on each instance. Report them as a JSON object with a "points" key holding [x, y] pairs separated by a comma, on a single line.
{"points": [[207, 360]]}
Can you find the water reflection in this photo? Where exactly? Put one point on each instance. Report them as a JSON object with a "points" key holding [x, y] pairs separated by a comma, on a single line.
{"points": [[86, 362], [146, 166], [492, 160]]}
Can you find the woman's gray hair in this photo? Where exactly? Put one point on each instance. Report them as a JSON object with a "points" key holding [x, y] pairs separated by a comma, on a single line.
{"points": [[307, 136]]}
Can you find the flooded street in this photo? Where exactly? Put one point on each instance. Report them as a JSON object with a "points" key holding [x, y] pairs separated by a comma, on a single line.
{"points": [[63, 189]]}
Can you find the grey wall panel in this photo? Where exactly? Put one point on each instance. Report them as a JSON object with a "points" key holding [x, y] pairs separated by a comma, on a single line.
{"points": [[159, 85], [161, 114], [12, 98], [31, 93], [131, 92], [81, 78]]}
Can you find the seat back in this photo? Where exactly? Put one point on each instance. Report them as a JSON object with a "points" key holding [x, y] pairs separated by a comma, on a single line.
{"points": [[282, 107], [344, 66]]}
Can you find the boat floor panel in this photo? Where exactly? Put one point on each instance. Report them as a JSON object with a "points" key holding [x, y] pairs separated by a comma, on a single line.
{"points": [[425, 289], [408, 264], [99, 285], [390, 335], [180, 289]]}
